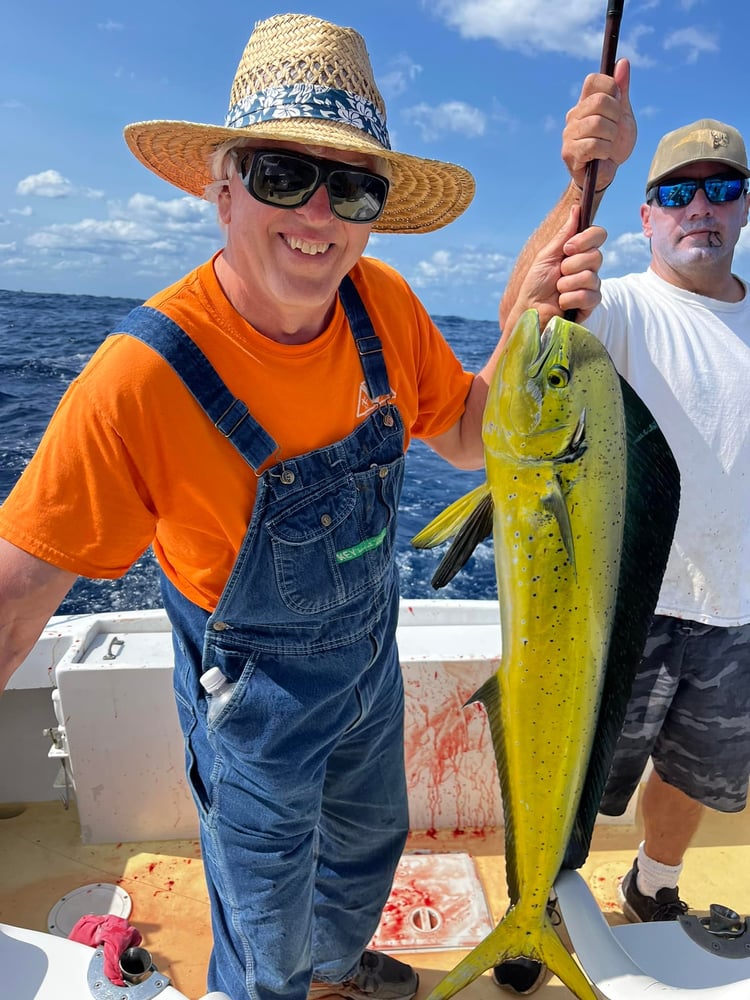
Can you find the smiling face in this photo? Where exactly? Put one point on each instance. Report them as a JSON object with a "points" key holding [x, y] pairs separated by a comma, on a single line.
{"points": [[693, 246], [282, 267]]}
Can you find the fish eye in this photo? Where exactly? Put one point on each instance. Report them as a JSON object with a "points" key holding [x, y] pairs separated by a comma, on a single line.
{"points": [[558, 377]]}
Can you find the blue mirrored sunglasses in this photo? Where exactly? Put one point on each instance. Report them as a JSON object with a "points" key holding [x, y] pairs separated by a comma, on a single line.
{"points": [[286, 179], [677, 194]]}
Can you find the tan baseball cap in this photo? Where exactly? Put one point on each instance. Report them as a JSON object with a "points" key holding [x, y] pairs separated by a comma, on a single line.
{"points": [[706, 139]]}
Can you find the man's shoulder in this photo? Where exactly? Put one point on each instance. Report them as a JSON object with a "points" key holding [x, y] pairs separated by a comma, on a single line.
{"points": [[631, 289], [375, 270], [633, 281]]}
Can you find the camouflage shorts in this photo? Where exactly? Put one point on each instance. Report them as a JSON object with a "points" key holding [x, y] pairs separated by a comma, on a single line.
{"points": [[689, 711]]}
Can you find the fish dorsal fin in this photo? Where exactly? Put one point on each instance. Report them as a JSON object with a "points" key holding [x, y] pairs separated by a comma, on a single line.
{"points": [[468, 521], [651, 506], [554, 503]]}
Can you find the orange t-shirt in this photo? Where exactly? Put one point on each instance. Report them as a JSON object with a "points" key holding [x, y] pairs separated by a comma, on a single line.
{"points": [[129, 458]]}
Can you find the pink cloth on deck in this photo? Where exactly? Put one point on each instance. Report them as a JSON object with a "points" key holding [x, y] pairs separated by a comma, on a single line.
{"points": [[115, 933]]}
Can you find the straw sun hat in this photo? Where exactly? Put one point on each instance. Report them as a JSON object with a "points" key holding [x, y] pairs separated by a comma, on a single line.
{"points": [[308, 81]]}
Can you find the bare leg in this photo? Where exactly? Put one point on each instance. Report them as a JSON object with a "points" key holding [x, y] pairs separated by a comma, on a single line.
{"points": [[670, 820]]}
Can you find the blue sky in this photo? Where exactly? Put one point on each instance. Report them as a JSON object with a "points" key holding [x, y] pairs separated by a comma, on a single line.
{"points": [[484, 83]]}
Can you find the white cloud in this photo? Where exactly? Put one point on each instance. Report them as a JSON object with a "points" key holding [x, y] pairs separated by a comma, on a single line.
{"points": [[143, 221], [48, 184], [89, 234], [110, 25], [179, 214], [693, 41], [452, 116], [743, 244], [627, 252], [403, 70], [16, 263], [471, 264], [536, 26], [155, 239], [52, 184]]}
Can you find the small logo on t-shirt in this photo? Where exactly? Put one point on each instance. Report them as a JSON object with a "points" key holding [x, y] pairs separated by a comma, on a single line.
{"points": [[366, 405]]}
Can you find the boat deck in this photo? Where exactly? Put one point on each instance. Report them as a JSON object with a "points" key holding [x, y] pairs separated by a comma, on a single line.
{"points": [[43, 859]]}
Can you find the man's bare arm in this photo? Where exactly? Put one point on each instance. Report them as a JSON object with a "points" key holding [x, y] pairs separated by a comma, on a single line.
{"points": [[600, 127], [563, 275], [30, 592]]}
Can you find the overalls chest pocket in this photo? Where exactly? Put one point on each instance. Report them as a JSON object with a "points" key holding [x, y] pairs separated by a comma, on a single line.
{"points": [[337, 542]]}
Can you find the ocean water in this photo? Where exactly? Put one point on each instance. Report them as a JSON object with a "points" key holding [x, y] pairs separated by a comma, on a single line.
{"points": [[45, 340]]}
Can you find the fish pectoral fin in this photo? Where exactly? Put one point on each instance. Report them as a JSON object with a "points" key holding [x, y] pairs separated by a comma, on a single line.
{"points": [[449, 521], [468, 521], [554, 503]]}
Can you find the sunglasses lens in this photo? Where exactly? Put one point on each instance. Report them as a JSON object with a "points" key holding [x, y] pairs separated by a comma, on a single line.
{"points": [[719, 191], [288, 180], [357, 196], [282, 180], [677, 195]]}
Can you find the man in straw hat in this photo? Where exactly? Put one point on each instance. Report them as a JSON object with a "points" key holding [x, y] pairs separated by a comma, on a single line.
{"points": [[680, 334], [250, 423]]}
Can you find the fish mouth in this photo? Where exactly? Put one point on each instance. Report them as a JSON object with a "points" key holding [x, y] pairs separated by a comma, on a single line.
{"points": [[577, 444], [546, 343]]}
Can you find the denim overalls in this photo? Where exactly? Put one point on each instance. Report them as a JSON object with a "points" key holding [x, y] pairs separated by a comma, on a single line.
{"points": [[299, 781]]}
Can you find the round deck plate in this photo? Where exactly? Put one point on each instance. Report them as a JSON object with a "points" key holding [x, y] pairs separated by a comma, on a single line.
{"points": [[101, 898]]}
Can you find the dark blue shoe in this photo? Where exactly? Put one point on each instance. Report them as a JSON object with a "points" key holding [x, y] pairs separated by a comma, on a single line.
{"points": [[521, 976]]}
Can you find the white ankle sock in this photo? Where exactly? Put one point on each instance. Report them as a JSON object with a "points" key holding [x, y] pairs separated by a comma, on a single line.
{"points": [[653, 875]]}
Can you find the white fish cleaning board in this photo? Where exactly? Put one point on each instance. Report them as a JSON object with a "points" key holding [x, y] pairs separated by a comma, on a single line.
{"points": [[437, 902]]}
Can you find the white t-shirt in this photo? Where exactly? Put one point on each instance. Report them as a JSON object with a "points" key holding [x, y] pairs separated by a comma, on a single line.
{"points": [[688, 358]]}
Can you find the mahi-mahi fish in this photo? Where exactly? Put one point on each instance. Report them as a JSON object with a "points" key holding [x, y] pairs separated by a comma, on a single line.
{"points": [[581, 499]]}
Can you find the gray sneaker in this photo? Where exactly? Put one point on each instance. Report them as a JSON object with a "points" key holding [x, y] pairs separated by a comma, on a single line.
{"points": [[666, 905], [379, 977]]}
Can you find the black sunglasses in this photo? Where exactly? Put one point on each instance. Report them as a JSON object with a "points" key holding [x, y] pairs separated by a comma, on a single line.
{"points": [[286, 179], [677, 194]]}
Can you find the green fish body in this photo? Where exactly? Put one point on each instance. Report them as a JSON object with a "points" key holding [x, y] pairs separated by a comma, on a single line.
{"points": [[556, 439]]}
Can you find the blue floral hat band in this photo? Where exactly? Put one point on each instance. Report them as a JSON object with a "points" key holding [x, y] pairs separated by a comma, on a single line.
{"points": [[306, 81], [306, 101]]}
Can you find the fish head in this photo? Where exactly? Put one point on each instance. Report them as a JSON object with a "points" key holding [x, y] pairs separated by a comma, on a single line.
{"points": [[536, 403]]}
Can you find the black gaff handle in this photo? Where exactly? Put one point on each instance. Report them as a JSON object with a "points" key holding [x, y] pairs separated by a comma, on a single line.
{"points": [[609, 55]]}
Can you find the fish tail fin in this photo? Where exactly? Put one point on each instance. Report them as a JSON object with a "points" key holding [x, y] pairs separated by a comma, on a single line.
{"points": [[559, 961], [511, 939], [495, 947]]}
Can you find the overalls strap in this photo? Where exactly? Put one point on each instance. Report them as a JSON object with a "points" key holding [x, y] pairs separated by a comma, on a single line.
{"points": [[368, 343], [229, 415]]}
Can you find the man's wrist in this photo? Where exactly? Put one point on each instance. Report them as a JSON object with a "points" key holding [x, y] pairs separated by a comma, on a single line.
{"points": [[597, 191]]}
